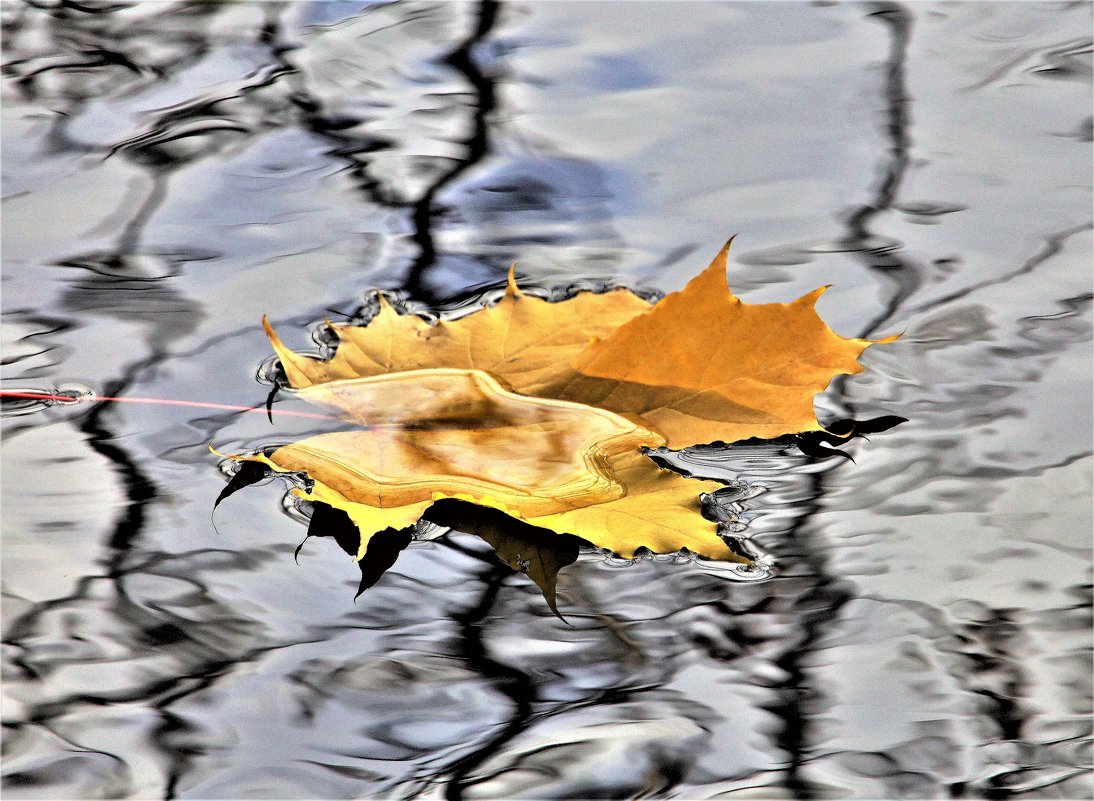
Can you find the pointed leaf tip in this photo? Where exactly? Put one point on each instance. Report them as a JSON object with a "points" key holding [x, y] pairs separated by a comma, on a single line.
{"points": [[722, 258], [296, 553], [231, 456], [811, 298], [715, 273], [811, 447], [275, 340], [293, 365], [247, 474], [511, 288]]}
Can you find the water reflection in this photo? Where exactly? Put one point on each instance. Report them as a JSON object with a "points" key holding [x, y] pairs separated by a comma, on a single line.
{"points": [[172, 171]]}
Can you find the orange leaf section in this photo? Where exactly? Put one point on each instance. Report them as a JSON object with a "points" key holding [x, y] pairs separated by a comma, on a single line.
{"points": [[703, 366]]}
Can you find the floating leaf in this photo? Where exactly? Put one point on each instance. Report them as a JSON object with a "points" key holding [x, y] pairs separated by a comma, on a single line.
{"points": [[539, 413]]}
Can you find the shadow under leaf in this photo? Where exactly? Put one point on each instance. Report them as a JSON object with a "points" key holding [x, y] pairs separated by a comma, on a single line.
{"points": [[383, 548], [538, 553], [838, 432], [248, 473], [534, 551]]}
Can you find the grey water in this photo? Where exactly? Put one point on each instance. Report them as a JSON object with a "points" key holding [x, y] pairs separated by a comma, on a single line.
{"points": [[174, 170]]}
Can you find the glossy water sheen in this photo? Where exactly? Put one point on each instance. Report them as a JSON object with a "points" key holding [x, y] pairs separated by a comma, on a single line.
{"points": [[172, 171]]}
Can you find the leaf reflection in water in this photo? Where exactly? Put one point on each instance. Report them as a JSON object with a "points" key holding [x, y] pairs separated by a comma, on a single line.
{"points": [[536, 553], [382, 551], [528, 549]]}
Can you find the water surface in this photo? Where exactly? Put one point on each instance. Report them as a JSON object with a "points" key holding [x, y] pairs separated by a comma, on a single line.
{"points": [[172, 171]]}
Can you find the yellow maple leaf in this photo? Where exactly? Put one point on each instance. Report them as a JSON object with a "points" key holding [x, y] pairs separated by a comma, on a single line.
{"points": [[699, 366], [542, 410], [445, 433]]}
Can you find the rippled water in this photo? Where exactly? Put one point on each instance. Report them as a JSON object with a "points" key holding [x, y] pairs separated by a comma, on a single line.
{"points": [[172, 171]]}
